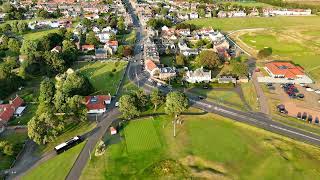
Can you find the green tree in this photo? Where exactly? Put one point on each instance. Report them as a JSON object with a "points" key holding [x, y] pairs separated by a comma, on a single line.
{"points": [[142, 99], [180, 60], [128, 107], [6, 148], [156, 98], [44, 128], [14, 45], [101, 22], [28, 46], [176, 103], [265, 52], [46, 94], [69, 52], [92, 39], [76, 107], [208, 59]]}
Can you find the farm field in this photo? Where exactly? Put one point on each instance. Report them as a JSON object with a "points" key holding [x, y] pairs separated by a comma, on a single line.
{"points": [[206, 146], [104, 76], [231, 24], [56, 168]]}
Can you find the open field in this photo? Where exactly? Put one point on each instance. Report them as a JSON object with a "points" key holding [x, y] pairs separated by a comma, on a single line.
{"points": [[141, 136], [248, 4], [38, 34], [57, 167], [17, 139], [104, 76], [211, 147], [230, 24]]}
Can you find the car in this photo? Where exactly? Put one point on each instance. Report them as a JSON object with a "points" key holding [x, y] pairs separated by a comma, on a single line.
{"points": [[201, 97], [309, 89], [159, 84], [316, 120], [317, 91], [269, 84], [304, 116], [301, 96], [117, 104], [299, 115], [310, 119]]}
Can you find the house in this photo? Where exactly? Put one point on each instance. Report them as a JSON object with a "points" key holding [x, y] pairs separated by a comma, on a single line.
{"points": [[87, 47], [227, 79], [56, 49], [113, 45], [97, 104], [284, 72], [222, 14], [103, 37], [151, 67], [199, 75], [193, 15], [91, 16], [14, 108], [167, 73]]}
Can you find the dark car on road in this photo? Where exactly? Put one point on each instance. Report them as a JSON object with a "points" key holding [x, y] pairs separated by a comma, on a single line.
{"points": [[310, 119], [299, 115], [304, 116], [316, 120]]}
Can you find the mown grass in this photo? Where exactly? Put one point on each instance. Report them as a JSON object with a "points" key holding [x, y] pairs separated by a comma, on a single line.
{"points": [[249, 4], [250, 95], [57, 167], [209, 144], [229, 24], [104, 76], [38, 34], [30, 111]]}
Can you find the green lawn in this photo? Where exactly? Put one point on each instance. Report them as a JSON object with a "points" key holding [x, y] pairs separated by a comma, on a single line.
{"points": [[207, 146], [30, 111], [141, 136], [167, 60], [250, 95], [38, 34], [229, 24], [17, 139], [104, 76], [57, 167], [229, 98], [249, 4]]}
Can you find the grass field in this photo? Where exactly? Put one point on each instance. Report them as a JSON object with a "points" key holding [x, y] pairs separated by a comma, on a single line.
{"points": [[250, 95], [30, 111], [57, 167], [141, 136], [38, 34], [167, 60], [249, 4], [104, 76], [207, 146], [230, 24], [17, 139]]}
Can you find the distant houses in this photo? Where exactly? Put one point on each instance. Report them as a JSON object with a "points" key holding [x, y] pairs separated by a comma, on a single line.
{"points": [[197, 76], [15, 107]]}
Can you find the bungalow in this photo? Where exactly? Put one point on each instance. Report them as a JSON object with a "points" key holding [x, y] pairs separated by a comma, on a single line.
{"points": [[97, 104], [14, 108], [167, 73], [151, 68], [87, 47], [199, 75], [113, 45], [56, 49]]}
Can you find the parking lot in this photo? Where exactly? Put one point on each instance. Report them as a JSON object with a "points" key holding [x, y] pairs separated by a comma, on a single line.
{"points": [[306, 104]]}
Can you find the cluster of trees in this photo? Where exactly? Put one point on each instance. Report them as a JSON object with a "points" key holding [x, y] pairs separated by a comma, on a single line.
{"points": [[9, 81], [102, 22], [265, 52], [39, 58], [239, 68], [17, 27], [208, 59], [58, 103], [158, 23], [286, 4], [45, 14], [9, 46], [6, 148], [12, 13]]}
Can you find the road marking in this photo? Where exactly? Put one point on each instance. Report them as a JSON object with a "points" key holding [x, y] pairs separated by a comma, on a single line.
{"points": [[277, 127]]}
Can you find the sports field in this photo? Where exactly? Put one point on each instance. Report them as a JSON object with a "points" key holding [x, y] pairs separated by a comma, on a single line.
{"points": [[206, 146], [141, 136], [230, 24], [104, 76]]}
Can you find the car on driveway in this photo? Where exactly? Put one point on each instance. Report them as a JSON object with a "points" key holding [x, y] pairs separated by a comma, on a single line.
{"points": [[309, 89], [299, 115], [317, 91], [301, 96]]}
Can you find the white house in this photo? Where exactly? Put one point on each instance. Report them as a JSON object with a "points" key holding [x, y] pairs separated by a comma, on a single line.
{"points": [[199, 75]]}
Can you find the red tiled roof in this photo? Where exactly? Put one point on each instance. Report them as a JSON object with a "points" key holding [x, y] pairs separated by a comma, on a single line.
{"points": [[7, 110], [112, 43], [285, 68], [150, 65], [17, 102], [97, 102], [87, 46]]}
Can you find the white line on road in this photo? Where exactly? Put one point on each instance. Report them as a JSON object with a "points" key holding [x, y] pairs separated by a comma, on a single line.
{"points": [[287, 130]]}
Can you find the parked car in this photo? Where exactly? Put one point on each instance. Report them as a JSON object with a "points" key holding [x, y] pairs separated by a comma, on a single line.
{"points": [[310, 118], [117, 104], [201, 97], [304, 116], [309, 89], [316, 120], [299, 115], [317, 91], [301, 96]]}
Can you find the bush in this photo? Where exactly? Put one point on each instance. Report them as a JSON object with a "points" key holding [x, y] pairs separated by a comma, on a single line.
{"points": [[265, 52]]}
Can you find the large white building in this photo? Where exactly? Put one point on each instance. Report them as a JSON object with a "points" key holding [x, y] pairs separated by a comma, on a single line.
{"points": [[199, 75]]}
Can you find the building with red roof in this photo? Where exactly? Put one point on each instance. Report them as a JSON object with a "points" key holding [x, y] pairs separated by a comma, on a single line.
{"points": [[97, 104], [284, 70], [87, 47], [151, 67], [14, 108]]}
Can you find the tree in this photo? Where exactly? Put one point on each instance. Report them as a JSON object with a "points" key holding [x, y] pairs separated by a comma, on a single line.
{"points": [[14, 45], [142, 99], [127, 105], [265, 52], [101, 22], [241, 69], [92, 39], [6, 148], [44, 128], [208, 59], [28, 46], [176, 103], [55, 63], [69, 52], [76, 107], [156, 98], [180, 60], [47, 91]]}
